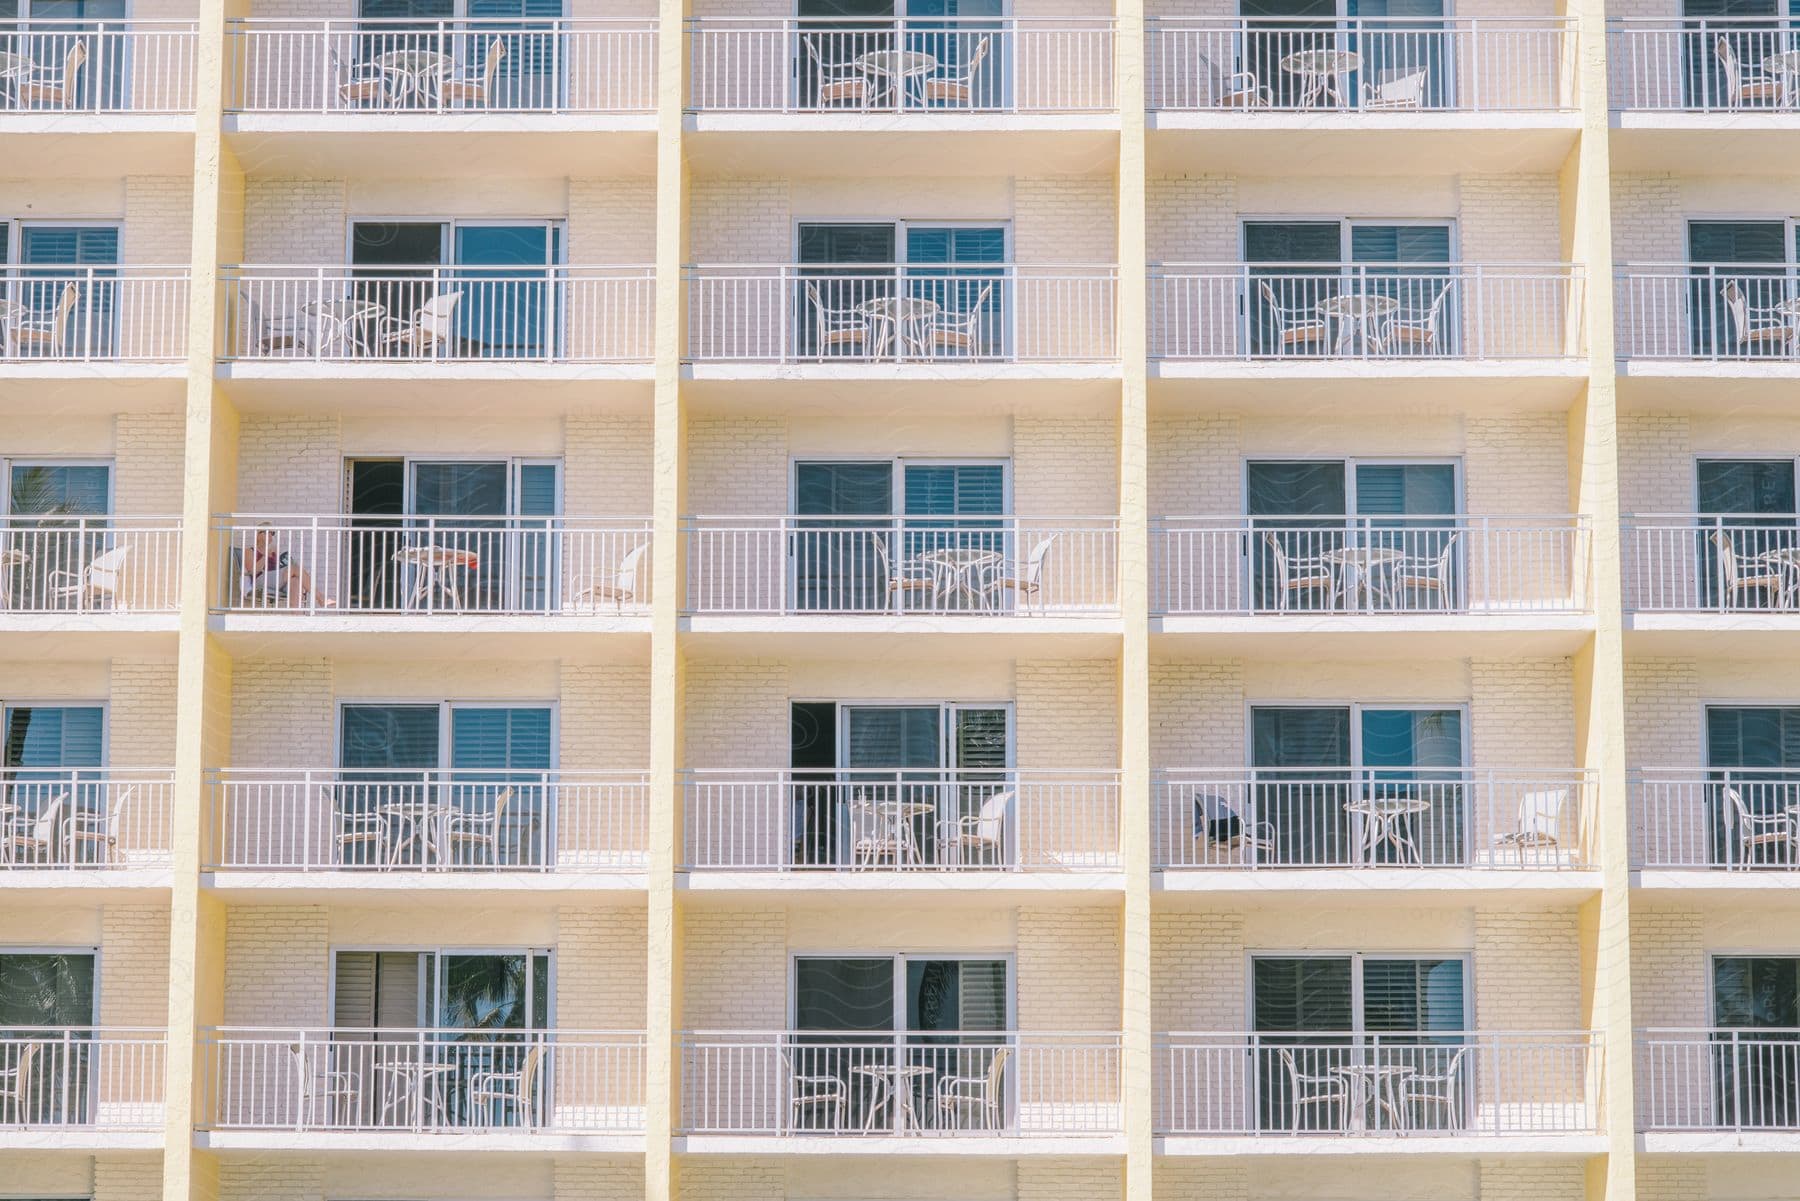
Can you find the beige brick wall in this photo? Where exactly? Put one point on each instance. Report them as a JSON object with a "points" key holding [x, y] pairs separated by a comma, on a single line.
{"points": [[276, 1178], [1670, 1179], [294, 222], [1185, 1179], [607, 465], [1656, 464], [734, 970], [147, 464], [604, 716], [1198, 982], [588, 1179], [1069, 970], [737, 715], [35, 1173], [282, 713], [600, 968], [140, 713], [277, 966], [732, 1180], [1527, 969], [1067, 713], [290, 464], [1506, 1180], [1671, 981], [1065, 466], [134, 966], [1071, 1180], [127, 1178], [1664, 729]]}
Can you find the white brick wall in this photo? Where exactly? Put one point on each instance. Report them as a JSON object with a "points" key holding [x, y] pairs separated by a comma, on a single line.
{"points": [[1527, 969], [737, 466], [295, 222], [1668, 1179], [127, 1178], [1656, 464], [1192, 219], [1198, 982], [1508, 1180], [277, 965], [1067, 714], [1065, 219], [1197, 713], [732, 1180], [1069, 969], [1516, 464], [1510, 218], [147, 464], [588, 1179], [158, 220], [1671, 984], [140, 713], [1188, 1180], [739, 220], [282, 713], [1072, 1180], [605, 717], [734, 972], [1065, 466], [607, 465], [600, 968], [290, 463], [134, 966], [737, 715], [273, 1179]]}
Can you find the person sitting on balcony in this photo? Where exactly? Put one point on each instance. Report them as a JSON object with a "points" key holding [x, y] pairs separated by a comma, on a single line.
{"points": [[266, 576]]}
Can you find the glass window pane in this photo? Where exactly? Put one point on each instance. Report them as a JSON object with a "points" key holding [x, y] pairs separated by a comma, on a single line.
{"points": [[1743, 486], [842, 995], [56, 488], [389, 736], [1290, 489], [1302, 994], [894, 736], [844, 489], [484, 992], [54, 736], [1426, 489], [460, 489], [46, 990], [1756, 991], [1412, 995]]}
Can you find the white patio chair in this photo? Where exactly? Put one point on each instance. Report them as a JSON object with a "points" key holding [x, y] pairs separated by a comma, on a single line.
{"points": [[837, 83], [875, 839], [981, 1097], [361, 85], [513, 1089], [361, 828], [621, 586], [1747, 830], [1220, 830], [47, 331], [98, 582], [982, 834], [431, 329], [1296, 328], [39, 837], [1306, 1091], [906, 580], [1757, 326], [958, 88], [480, 831], [1025, 581], [1401, 89], [100, 831], [56, 87], [269, 337], [1754, 577], [1298, 574], [1426, 575], [471, 89], [1435, 1092], [16, 1090], [808, 1091], [1236, 89], [1744, 87], [1539, 820], [837, 327], [341, 1091], [960, 329], [1415, 331]]}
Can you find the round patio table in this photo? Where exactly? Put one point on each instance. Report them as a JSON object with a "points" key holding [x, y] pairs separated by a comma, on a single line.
{"points": [[960, 567], [1357, 568], [896, 67], [1320, 74], [900, 816], [415, 73], [1787, 559], [338, 322], [437, 562], [1358, 314], [893, 1081], [1381, 824], [1371, 1082], [906, 319], [429, 821]]}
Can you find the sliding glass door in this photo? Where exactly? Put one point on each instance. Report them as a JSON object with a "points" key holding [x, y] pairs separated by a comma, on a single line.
{"points": [[1756, 1008], [1741, 269], [894, 1030], [492, 278], [55, 258], [48, 1008], [1335, 1033], [1299, 269], [43, 791], [1751, 30], [1750, 505], [1753, 757], [841, 40], [55, 523]]}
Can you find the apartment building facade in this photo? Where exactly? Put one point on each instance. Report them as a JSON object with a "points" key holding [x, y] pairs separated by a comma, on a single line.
{"points": [[868, 603]]}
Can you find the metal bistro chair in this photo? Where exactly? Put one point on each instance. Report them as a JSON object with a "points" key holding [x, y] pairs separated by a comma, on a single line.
{"points": [[1435, 1093], [1298, 574], [1755, 328], [979, 1097], [1309, 1092], [1754, 577], [1296, 329], [1747, 830], [1744, 88]]}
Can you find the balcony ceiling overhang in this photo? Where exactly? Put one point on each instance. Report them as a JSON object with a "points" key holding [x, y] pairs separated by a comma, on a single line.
{"points": [[878, 145], [1704, 143], [1353, 638], [1336, 388], [1302, 144], [453, 146], [81, 146]]}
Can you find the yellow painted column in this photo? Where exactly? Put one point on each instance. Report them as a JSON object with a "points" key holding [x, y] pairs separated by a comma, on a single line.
{"points": [[1134, 603], [196, 934], [1600, 669], [663, 1091]]}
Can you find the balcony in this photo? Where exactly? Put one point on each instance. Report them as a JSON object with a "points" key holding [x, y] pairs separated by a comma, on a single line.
{"points": [[1718, 1089], [1252, 94], [454, 829], [84, 1088], [852, 576], [1734, 326], [1297, 582], [886, 831], [925, 1092], [399, 97], [101, 575], [94, 324], [1710, 94], [1711, 582], [1399, 828], [899, 95], [1394, 325], [984, 323], [1725, 828], [338, 579], [424, 324], [77, 827], [124, 88], [1448, 1092], [422, 1089]]}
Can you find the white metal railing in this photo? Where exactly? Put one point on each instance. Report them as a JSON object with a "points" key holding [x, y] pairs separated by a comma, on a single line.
{"points": [[55, 312], [81, 1078], [1313, 311], [432, 1081], [98, 66], [416, 563], [874, 312], [60, 563], [1259, 818], [1718, 1079], [407, 65], [1743, 312], [85, 818], [437, 313], [429, 820], [1712, 563], [1703, 64], [930, 821], [971, 566], [1361, 64], [1427, 1083], [1364, 565], [922, 65], [1733, 818], [937, 1083]]}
